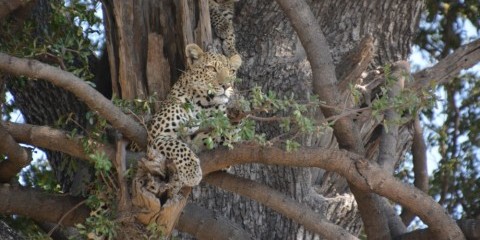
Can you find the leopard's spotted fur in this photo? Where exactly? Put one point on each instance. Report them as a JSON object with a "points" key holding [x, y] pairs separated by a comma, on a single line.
{"points": [[221, 18], [206, 86]]}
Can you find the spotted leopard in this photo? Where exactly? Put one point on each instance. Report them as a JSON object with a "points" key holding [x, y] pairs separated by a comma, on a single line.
{"points": [[206, 86], [221, 18]]}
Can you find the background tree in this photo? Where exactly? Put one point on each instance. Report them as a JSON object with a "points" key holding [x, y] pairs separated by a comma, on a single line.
{"points": [[283, 50]]}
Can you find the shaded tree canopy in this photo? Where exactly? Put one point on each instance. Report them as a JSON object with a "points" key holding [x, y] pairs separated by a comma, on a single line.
{"points": [[333, 126]]}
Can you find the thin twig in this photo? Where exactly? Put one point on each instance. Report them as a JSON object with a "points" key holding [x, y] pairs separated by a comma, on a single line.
{"points": [[64, 216]]}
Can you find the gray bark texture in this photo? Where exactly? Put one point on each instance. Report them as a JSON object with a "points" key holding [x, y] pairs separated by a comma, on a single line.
{"points": [[275, 60]]}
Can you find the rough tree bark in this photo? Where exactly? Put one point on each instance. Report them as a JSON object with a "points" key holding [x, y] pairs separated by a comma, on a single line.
{"points": [[275, 60]]}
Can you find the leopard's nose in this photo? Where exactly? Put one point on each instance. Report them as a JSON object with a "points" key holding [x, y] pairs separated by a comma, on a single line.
{"points": [[226, 86]]}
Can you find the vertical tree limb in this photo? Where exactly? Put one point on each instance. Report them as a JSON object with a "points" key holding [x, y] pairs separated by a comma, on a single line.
{"points": [[124, 201], [389, 136], [419, 153], [388, 142]]}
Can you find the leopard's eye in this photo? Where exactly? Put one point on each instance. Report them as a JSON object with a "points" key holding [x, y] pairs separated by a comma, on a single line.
{"points": [[215, 65]]}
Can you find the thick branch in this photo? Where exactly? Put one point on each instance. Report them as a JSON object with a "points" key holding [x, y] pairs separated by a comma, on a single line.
{"points": [[41, 206], [17, 156], [54, 139], [449, 67], [364, 175], [66, 80], [204, 224], [281, 203]]}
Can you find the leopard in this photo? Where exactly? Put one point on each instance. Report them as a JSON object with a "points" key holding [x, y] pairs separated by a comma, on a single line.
{"points": [[205, 87], [221, 18]]}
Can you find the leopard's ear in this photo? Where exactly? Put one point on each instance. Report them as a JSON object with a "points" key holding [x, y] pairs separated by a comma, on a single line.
{"points": [[194, 53], [236, 61]]}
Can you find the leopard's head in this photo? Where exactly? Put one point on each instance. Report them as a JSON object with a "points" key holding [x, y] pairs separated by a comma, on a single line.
{"points": [[213, 74]]}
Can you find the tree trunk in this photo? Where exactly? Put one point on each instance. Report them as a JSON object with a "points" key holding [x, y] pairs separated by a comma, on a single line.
{"points": [[274, 59]]}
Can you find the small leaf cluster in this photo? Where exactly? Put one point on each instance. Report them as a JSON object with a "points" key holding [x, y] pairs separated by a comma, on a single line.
{"points": [[294, 117], [220, 129], [136, 106], [407, 103], [100, 223]]}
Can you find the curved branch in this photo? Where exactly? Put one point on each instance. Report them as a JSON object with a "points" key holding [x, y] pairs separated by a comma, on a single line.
{"points": [[17, 156], [448, 68], [281, 203], [364, 175], [204, 224], [66, 80]]}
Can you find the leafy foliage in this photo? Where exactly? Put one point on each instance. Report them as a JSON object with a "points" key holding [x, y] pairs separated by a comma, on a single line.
{"points": [[454, 130], [66, 47]]}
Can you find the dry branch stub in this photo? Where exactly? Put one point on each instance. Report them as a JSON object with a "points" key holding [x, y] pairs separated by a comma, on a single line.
{"points": [[152, 195]]}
